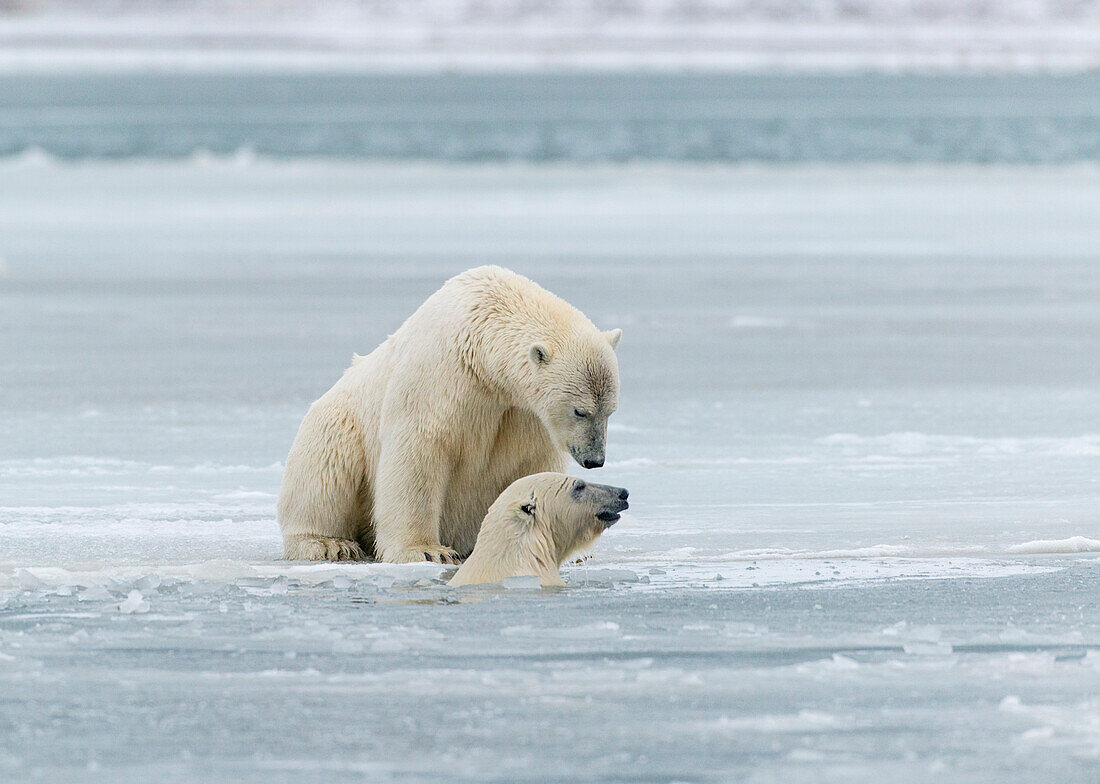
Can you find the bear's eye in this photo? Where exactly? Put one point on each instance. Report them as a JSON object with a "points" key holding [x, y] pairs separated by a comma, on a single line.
{"points": [[579, 413], [528, 509], [579, 486]]}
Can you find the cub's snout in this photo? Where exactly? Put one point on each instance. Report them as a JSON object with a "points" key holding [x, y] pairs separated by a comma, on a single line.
{"points": [[607, 501]]}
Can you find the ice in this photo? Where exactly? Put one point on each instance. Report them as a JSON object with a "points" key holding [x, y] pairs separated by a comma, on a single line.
{"points": [[757, 322], [527, 582], [1074, 729], [352, 647], [589, 631], [148, 583], [96, 593], [857, 421], [921, 648], [583, 575], [387, 645], [341, 582], [801, 722], [134, 603], [926, 443], [1073, 544], [26, 580]]}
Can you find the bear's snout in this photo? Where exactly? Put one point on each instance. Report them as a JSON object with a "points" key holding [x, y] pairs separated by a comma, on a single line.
{"points": [[618, 498], [609, 513], [591, 454]]}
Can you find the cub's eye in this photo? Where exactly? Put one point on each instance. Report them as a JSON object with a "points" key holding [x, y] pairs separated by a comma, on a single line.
{"points": [[578, 486], [528, 509], [579, 413]]}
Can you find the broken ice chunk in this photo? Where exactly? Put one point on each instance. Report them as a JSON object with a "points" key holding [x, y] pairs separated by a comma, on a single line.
{"points": [[134, 603], [96, 593]]}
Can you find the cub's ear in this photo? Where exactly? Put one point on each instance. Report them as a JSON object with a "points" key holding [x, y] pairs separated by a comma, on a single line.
{"points": [[539, 354], [613, 336], [528, 508]]}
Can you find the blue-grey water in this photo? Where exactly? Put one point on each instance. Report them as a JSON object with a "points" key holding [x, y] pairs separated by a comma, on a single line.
{"points": [[1014, 118]]}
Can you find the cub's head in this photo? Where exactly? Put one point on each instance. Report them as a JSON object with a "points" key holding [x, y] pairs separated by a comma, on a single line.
{"points": [[561, 510], [577, 387]]}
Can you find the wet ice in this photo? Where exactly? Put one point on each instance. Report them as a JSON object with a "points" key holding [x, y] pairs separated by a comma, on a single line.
{"points": [[862, 442]]}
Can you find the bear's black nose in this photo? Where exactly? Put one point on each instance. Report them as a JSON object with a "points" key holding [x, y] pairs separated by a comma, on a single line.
{"points": [[593, 463], [623, 494]]}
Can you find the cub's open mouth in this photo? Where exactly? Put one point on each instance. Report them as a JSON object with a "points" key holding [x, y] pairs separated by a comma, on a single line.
{"points": [[608, 517]]}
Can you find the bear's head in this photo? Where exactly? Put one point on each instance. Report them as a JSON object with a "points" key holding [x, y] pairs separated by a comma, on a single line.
{"points": [[564, 510], [577, 389], [538, 522]]}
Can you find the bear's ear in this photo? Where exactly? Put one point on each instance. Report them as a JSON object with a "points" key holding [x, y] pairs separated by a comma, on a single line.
{"points": [[613, 336], [539, 354], [528, 508]]}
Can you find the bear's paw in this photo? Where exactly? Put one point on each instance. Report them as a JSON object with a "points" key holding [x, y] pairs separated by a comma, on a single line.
{"points": [[434, 553], [323, 548]]}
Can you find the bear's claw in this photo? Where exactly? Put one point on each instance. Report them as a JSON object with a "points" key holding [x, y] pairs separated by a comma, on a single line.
{"points": [[443, 558], [438, 554], [444, 555]]}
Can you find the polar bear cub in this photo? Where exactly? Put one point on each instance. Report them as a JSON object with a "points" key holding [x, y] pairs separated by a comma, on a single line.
{"points": [[536, 524]]}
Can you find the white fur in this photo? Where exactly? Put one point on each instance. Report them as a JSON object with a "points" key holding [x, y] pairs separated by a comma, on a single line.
{"points": [[402, 457], [531, 529]]}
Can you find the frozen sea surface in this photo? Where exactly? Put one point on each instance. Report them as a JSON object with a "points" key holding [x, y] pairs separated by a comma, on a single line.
{"points": [[859, 423]]}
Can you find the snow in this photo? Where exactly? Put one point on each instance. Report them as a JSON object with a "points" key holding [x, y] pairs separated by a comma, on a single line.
{"points": [[858, 424], [1073, 544], [437, 35]]}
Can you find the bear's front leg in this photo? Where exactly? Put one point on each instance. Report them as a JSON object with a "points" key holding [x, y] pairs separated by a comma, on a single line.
{"points": [[408, 503]]}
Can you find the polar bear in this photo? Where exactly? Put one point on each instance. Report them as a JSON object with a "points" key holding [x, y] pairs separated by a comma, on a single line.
{"points": [[536, 524], [491, 379]]}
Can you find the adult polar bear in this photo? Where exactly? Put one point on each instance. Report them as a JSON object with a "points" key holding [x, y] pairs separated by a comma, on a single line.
{"points": [[491, 379]]}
